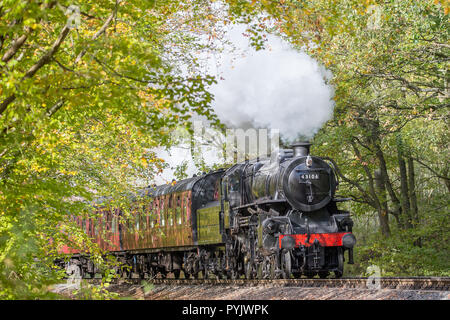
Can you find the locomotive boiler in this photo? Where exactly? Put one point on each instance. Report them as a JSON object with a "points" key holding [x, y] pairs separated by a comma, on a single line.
{"points": [[273, 217]]}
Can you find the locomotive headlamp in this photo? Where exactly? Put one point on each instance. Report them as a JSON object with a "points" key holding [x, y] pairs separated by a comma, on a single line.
{"points": [[349, 240], [308, 161], [288, 243]]}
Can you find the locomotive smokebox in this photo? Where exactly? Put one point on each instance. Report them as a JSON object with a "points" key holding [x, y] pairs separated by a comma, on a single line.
{"points": [[301, 149]]}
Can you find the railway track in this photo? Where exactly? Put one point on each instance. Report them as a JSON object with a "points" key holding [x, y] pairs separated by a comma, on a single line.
{"points": [[433, 283]]}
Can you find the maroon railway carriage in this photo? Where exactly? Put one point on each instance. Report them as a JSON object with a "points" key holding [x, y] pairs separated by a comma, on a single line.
{"points": [[161, 228]]}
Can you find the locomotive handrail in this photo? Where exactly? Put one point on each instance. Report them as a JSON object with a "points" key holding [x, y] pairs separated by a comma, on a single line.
{"points": [[267, 201], [342, 199]]}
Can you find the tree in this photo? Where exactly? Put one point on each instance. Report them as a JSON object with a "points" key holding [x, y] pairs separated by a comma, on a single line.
{"points": [[87, 90]]}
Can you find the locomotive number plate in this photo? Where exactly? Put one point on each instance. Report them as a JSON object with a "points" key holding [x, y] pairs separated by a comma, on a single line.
{"points": [[309, 176]]}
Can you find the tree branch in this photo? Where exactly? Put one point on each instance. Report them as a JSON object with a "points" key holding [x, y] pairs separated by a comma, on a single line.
{"points": [[15, 46], [98, 33], [46, 58]]}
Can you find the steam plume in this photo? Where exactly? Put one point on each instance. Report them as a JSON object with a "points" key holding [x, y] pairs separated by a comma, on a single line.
{"points": [[279, 88]]}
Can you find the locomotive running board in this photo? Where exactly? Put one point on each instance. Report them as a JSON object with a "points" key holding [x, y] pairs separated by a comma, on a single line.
{"points": [[260, 203]]}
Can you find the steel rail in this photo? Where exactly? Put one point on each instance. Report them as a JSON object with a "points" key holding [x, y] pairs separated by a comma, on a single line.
{"points": [[415, 283]]}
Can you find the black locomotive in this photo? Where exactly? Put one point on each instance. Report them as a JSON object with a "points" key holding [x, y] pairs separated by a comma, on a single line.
{"points": [[283, 216]]}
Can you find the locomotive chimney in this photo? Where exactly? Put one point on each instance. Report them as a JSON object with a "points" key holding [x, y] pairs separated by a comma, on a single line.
{"points": [[301, 149]]}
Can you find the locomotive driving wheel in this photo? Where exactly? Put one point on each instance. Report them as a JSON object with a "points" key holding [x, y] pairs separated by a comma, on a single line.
{"points": [[340, 269], [250, 270], [91, 274], [266, 269], [286, 265], [152, 273], [205, 273], [232, 274], [126, 272]]}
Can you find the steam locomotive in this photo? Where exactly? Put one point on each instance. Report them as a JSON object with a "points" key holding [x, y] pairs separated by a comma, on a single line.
{"points": [[275, 217]]}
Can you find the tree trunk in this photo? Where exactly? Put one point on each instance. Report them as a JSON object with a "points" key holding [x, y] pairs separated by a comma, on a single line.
{"points": [[388, 184], [413, 198], [412, 191], [404, 193], [374, 139], [383, 212]]}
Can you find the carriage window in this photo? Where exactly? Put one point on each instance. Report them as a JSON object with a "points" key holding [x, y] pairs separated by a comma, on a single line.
{"points": [[152, 214], [144, 217], [225, 188], [107, 218], [113, 227], [170, 210], [91, 226], [130, 223], [161, 213], [136, 220], [103, 223], [110, 220], [182, 210], [178, 210], [186, 203], [216, 190], [156, 212], [94, 226]]}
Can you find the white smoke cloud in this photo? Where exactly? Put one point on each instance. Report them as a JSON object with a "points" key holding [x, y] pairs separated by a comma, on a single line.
{"points": [[279, 88]]}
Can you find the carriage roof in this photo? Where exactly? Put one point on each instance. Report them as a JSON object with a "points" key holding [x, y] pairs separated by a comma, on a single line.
{"points": [[179, 186], [156, 191]]}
